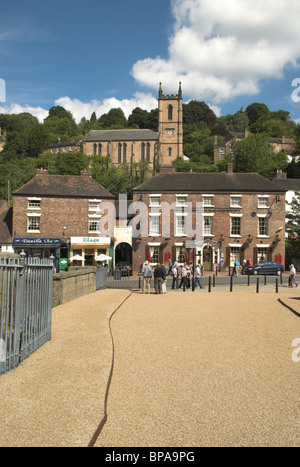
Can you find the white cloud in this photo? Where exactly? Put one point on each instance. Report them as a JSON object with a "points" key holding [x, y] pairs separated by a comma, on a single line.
{"points": [[16, 109], [85, 109], [81, 109], [220, 50]]}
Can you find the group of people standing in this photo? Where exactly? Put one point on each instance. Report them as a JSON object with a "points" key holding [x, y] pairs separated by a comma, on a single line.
{"points": [[182, 276]]}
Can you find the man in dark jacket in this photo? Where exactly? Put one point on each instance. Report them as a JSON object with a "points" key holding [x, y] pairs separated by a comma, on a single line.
{"points": [[159, 277]]}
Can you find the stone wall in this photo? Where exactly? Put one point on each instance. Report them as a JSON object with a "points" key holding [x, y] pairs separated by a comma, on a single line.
{"points": [[72, 284]]}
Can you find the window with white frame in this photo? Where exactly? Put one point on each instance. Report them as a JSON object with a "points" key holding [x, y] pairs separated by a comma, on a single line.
{"points": [[154, 252], [236, 201], [155, 200], [154, 228], [263, 227], [94, 204], [235, 226], [180, 254], [33, 224], [94, 224], [208, 225], [34, 203], [234, 255], [263, 201], [180, 225], [262, 254], [181, 200], [208, 201]]}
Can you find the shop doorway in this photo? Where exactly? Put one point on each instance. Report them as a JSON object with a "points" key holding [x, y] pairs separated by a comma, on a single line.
{"points": [[123, 253], [207, 258]]}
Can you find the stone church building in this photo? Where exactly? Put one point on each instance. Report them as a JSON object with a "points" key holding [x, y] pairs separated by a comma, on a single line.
{"points": [[128, 146]]}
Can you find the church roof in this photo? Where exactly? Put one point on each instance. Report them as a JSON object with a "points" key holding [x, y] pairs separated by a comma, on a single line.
{"points": [[121, 135]]}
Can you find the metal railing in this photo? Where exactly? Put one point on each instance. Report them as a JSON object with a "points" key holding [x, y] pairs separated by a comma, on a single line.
{"points": [[25, 309]]}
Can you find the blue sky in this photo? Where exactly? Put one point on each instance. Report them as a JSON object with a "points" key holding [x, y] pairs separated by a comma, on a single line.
{"points": [[95, 55]]}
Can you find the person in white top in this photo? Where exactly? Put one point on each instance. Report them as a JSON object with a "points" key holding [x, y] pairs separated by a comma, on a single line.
{"points": [[292, 279], [198, 277]]}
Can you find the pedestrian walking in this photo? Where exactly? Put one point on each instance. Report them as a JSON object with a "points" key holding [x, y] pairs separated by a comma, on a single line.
{"points": [[236, 268], [198, 275], [183, 280], [147, 274], [292, 278], [189, 277]]}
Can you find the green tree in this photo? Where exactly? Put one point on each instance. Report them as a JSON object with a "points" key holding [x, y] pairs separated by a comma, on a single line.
{"points": [[256, 154], [26, 137], [293, 224], [72, 163], [115, 118], [194, 112], [60, 112], [256, 110]]}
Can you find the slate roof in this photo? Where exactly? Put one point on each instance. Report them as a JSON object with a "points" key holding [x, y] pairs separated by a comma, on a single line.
{"points": [[185, 182], [6, 226], [121, 135], [72, 186], [288, 184]]}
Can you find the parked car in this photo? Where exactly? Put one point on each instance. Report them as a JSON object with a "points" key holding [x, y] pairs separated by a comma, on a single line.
{"points": [[265, 268], [125, 268]]}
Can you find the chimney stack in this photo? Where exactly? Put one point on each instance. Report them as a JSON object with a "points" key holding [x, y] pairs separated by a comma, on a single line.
{"points": [[229, 169], [41, 171]]}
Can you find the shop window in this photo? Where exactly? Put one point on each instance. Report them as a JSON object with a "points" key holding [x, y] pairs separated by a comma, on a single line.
{"points": [[262, 254], [154, 252], [234, 255], [180, 254]]}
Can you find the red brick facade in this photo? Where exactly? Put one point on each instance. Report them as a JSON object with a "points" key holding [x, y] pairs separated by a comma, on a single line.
{"points": [[238, 225]]}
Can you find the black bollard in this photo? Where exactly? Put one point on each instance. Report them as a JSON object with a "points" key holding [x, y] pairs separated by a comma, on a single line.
{"points": [[276, 285], [265, 282], [214, 281], [248, 279], [257, 285], [231, 283], [140, 283], [209, 284]]}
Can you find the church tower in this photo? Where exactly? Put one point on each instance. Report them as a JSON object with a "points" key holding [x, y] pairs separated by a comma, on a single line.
{"points": [[170, 127]]}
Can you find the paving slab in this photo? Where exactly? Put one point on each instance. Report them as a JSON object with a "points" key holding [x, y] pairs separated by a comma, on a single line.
{"points": [[190, 369]]}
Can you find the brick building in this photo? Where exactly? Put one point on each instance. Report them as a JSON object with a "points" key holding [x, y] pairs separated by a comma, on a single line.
{"points": [[70, 146], [59, 215], [224, 216], [127, 146]]}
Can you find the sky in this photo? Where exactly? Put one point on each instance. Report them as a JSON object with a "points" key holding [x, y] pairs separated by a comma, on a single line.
{"points": [[97, 54]]}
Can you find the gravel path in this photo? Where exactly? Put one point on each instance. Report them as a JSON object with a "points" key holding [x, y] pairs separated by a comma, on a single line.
{"points": [[193, 369]]}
